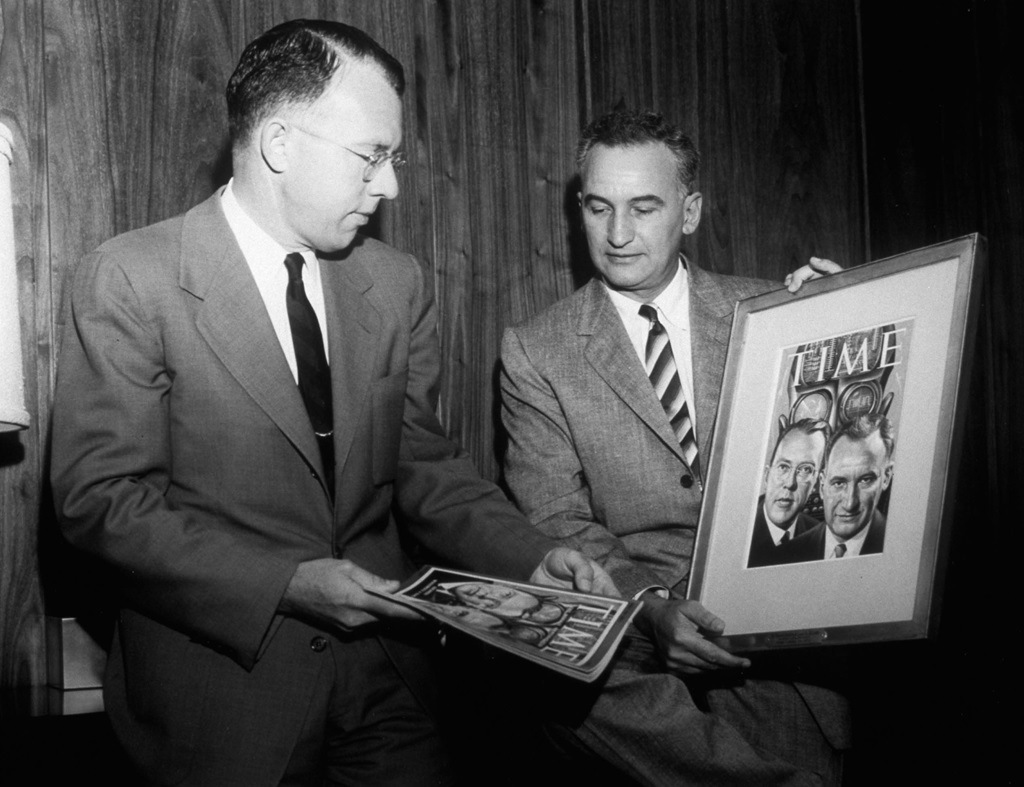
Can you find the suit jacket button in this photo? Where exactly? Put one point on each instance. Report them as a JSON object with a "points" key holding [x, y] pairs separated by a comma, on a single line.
{"points": [[686, 481], [318, 643]]}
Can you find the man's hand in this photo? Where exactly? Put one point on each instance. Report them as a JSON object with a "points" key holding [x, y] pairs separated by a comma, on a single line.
{"points": [[817, 268], [678, 630], [332, 592], [566, 568]]}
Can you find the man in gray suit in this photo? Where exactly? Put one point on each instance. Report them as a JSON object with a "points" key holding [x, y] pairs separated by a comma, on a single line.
{"points": [[244, 418], [609, 399]]}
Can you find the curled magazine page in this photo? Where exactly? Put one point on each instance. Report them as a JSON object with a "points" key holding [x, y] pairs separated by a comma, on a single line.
{"points": [[575, 634]]}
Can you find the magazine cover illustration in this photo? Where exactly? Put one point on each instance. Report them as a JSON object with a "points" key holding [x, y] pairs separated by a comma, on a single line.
{"points": [[830, 461], [572, 633]]}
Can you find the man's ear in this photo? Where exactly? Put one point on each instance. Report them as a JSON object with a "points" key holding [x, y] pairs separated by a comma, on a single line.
{"points": [[887, 476], [691, 212], [273, 138]]}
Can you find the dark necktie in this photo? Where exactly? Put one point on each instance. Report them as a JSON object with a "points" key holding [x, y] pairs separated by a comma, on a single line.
{"points": [[785, 537], [311, 361], [840, 550], [661, 369]]}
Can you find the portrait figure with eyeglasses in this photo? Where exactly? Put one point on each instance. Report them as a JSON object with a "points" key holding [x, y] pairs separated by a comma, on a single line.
{"points": [[790, 478]]}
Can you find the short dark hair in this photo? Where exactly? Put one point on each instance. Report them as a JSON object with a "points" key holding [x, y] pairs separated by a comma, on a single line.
{"points": [[807, 426], [293, 63], [861, 428], [631, 127]]}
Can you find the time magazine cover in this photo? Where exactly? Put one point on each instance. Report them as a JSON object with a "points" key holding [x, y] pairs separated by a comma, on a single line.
{"points": [[575, 634]]}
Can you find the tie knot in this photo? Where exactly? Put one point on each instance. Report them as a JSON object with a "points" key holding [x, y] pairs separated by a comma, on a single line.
{"points": [[293, 262], [648, 312], [840, 550]]}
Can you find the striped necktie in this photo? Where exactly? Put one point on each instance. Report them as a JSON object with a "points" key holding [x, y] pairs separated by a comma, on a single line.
{"points": [[661, 369], [311, 362]]}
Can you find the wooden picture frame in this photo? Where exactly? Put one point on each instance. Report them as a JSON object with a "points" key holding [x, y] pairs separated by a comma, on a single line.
{"points": [[879, 353]]}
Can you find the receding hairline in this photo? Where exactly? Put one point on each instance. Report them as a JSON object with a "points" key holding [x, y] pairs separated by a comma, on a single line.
{"points": [[886, 452], [795, 432], [316, 107]]}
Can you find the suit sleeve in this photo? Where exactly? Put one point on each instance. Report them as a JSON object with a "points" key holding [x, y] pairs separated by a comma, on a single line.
{"points": [[111, 469], [545, 475], [449, 508]]}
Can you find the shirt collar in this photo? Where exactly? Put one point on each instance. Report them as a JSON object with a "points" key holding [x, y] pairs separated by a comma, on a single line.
{"points": [[853, 545], [673, 302], [260, 250], [774, 530]]}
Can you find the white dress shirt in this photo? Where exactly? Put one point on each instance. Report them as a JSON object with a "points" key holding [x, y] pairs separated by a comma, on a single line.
{"points": [[265, 257], [853, 545], [673, 306], [774, 530]]}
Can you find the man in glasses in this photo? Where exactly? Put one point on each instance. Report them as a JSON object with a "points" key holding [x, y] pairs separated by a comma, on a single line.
{"points": [[245, 412], [789, 479]]}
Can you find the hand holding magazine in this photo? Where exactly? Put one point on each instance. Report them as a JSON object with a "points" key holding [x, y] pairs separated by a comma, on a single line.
{"points": [[575, 634]]}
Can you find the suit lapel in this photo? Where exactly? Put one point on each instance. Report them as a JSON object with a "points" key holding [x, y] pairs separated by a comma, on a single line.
{"points": [[611, 354], [710, 325], [234, 322], [353, 326]]}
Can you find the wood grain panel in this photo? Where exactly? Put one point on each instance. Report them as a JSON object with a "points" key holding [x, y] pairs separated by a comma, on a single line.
{"points": [[552, 125], [780, 136], [618, 53], [190, 61], [22, 658], [83, 186], [441, 132], [500, 114]]}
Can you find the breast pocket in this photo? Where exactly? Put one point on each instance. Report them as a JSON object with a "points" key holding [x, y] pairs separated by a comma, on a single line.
{"points": [[388, 408]]}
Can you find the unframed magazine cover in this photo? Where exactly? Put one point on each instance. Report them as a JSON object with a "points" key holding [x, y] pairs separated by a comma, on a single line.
{"points": [[575, 634]]}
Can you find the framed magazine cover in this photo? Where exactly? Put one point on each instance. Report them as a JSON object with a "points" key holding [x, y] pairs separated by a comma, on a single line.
{"points": [[839, 424]]}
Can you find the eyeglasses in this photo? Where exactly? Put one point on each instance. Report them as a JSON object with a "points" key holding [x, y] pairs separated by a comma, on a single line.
{"points": [[803, 472], [374, 162]]}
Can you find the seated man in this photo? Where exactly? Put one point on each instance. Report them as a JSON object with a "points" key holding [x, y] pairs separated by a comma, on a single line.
{"points": [[858, 469], [789, 479], [609, 398]]}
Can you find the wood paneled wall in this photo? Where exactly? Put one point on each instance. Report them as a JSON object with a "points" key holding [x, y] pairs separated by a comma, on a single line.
{"points": [[117, 109]]}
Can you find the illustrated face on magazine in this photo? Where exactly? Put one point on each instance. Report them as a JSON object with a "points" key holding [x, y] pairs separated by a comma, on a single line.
{"points": [[856, 474], [504, 601], [473, 617], [790, 479]]}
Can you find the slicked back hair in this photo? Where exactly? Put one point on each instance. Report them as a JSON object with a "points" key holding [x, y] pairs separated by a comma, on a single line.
{"points": [[293, 63], [633, 127]]}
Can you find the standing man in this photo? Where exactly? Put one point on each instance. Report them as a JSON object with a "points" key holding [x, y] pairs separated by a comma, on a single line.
{"points": [[789, 479], [858, 470], [609, 398], [244, 414]]}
